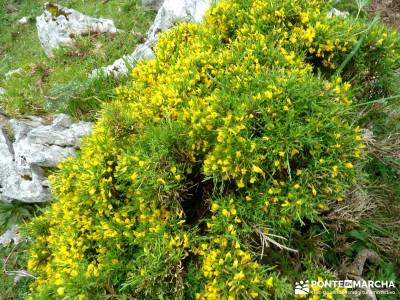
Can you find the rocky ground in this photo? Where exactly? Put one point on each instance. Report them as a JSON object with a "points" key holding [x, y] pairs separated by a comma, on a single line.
{"points": [[389, 11], [29, 146]]}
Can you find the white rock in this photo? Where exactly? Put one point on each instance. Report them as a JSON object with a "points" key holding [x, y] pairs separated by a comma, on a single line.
{"points": [[35, 146], [11, 235], [337, 13], [170, 13], [121, 66], [175, 11], [2, 91], [40, 154], [58, 25], [152, 4], [11, 73], [6, 150], [23, 20], [22, 127], [22, 184]]}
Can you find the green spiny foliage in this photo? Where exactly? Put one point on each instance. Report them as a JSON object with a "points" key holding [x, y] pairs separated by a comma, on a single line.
{"points": [[239, 131]]}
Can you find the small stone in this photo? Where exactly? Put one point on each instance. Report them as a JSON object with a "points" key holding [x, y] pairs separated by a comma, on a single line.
{"points": [[11, 73], [10, 236], [23, 20], [337, 13]]}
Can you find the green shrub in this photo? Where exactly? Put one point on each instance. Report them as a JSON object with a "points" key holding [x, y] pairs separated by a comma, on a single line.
{"points": [[240, 129]]}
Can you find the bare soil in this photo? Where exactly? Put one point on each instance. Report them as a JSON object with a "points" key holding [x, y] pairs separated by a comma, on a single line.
{"points": [[389, 11]]}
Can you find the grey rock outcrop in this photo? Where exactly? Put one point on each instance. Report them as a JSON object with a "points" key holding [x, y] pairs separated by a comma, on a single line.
{"points": [[30, 148], [176, 11], [152, 4], [121, 65], [170, 13], [58, 25], [10, 236]]}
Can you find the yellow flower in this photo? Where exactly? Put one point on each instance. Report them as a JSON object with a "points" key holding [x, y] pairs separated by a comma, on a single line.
{"points": [[60, 291], [253, 295], [268, 94], [214, 207], [304, 17], [348, 165], [269, 282], [134, 176], [239, 276], [160, 181], [235, 263], [257, 170], [314, 192], [241, 184]]}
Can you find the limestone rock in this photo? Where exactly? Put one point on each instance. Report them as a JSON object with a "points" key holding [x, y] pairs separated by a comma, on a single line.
{"points": [[58, 25], [153, 4], [170, 13], [175, 11], [121, 66], [24, 184], [33, 147], [10, 236]]}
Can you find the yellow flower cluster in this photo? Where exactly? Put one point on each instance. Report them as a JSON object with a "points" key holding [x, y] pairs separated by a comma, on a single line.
{"points": [[239, 121]]}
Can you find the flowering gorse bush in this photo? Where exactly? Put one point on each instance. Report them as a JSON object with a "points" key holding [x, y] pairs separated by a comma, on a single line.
{"points": [[239, 129]]}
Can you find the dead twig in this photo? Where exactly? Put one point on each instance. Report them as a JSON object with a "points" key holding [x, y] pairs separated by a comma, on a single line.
{"points": [[267, 238], [18, 273]]}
